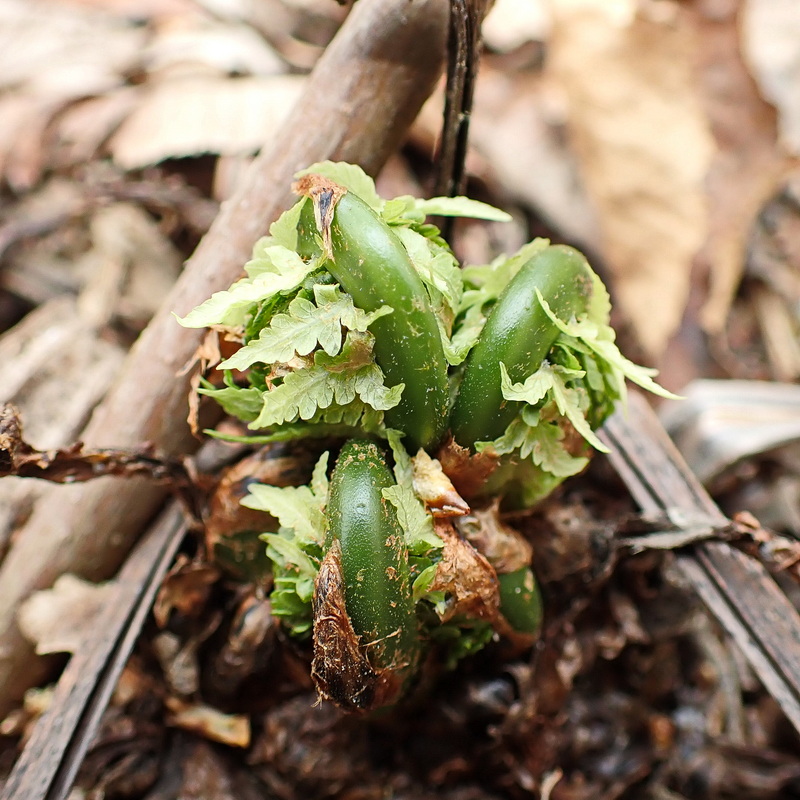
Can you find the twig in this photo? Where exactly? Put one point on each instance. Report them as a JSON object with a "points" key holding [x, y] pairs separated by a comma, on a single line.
{"points": [[736, 589], [75, 464], [459, 61], [464, 44]]}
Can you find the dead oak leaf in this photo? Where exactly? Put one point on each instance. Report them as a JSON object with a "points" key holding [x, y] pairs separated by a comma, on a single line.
{"points": [[747, 164], [467, 471], [202, 114], [505, 548]]}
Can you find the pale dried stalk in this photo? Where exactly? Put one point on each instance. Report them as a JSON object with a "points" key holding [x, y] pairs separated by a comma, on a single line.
{"points": [[362, 96]]}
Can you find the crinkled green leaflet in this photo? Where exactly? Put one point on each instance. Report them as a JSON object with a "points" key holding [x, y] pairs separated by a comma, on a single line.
{"points": [[599, 337], [278, 271], [296, 549], [553, 383], [241, 402], [576, 388], [306, 348], [305, 326], [309, 390]]}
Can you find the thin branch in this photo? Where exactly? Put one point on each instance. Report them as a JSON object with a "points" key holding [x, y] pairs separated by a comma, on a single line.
{"points": [[75, 464], [464, 48]]}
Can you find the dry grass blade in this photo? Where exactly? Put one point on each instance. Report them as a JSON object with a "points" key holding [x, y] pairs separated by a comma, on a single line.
{"points": [[737, 590]]}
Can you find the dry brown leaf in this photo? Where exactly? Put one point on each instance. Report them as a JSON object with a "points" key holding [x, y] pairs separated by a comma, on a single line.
{"points": [[56, 50], [23, 118], [249, 642], [74, 464], [81, 129], [179, 662], [771, 42], [628, 616], [56, 54], [131, 267], [518, 128], [747, 165], [55, 368], [180, 656], [136, 9], [505, 548], [466, 470], [58, 620], [190, 116], [193, 43], [207, 355], [518, 143], [434, 488], [44, 267], [466, 576], [644, 146], [185, 589], [21, 720], [49, 57], [207, 775], [778, 325], [135, 682], [775, 256]]}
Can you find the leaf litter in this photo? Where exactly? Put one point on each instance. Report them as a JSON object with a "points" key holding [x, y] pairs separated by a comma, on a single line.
{"points": [[631, 692]]}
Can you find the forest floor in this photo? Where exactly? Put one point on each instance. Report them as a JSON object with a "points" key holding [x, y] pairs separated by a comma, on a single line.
{"points": [[659, 137]]}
